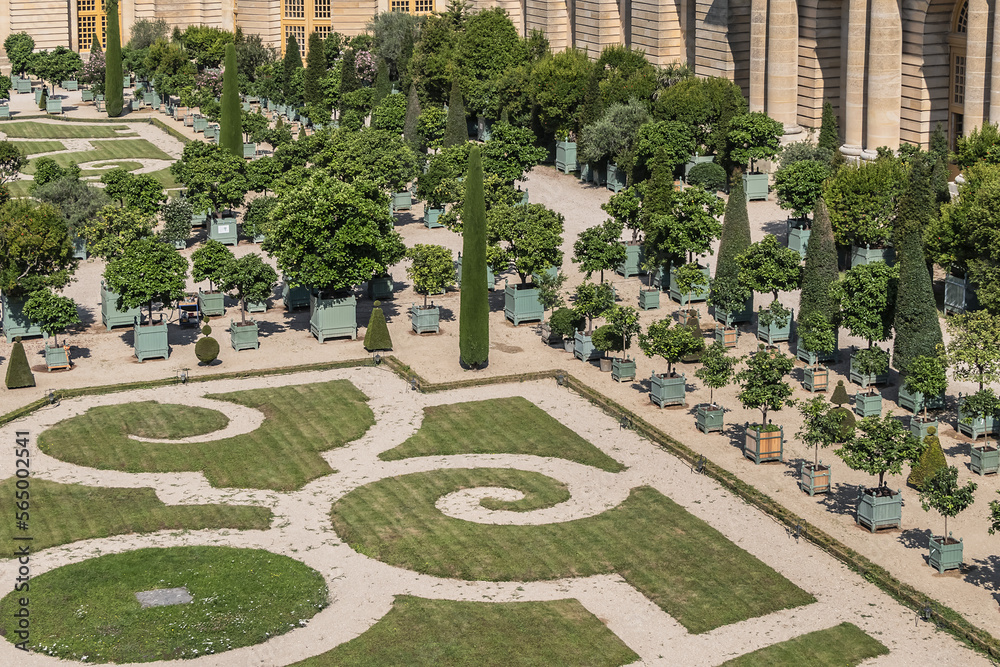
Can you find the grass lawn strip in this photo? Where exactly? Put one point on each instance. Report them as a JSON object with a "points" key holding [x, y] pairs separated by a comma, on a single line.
{"points": [[166, 179], [64, 513], [498, 426], [844, 645], [673, 558], [283, 454], [108, 150], [418, 631], [241, 597], [36, 147], [30, 130]]}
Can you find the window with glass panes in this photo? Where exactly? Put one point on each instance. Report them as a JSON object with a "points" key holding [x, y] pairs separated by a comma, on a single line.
{"points": [[400, 6], [91, 19], [423, 6], [302, 17]]}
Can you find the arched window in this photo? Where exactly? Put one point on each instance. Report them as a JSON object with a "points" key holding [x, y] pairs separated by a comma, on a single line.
{"points": [[962, 19]]}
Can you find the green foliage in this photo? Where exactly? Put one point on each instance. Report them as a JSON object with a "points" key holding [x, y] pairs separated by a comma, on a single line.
{"points": [[214, 177], [871, 361], [549, 288], [974, 347], [880, 445], [141, 192], [706, 105], [291, 71], [727, 289], [77, 200], [717, 368], [625, 207], [411, 128], [207, 350], [708, 175], [677, 142], [211, 262], [511, 152], [205, 44], [43, 100], [113, 230], [206, 330], [147, 271], [867, 297], [558, 84], [931, 460], [456, 131], [393, 39], [821, 425], [488, 47], [36, 248], [798, 151], [176, 220], [753, 136], [53, 313], [926, 375], [942, 493], [19, 47], [248, 278], [688, 225], [474, 314], [566, 322], [382, 85], [48, 170], [231, 122], [377, 334], [113, 96], [800, 185], [840, 396], [257, 216], [599, 248], [390, 114], [431, 269], [978, 145], [847, 422], [19, 373], [604, 339], [829, 133], [593, 300], [312, 89], [623, 325], [377, 156], [816, 333], [526, 237], [767, 266], [763, 382], [671, 343], [12, 161], [613, 135], [820, 271], [863, 201]]}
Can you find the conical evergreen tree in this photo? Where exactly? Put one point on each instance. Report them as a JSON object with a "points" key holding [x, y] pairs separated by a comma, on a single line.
{"points": [[918, 331], [382, 85], [348, 76], [113, 98], [474, 318], [820, 271], [231, 120], [829, 133], [19, 373], [377, 335], [291, 64], [312, 81], [931, 460], [411, 132], [735, 232], [457, 131]]}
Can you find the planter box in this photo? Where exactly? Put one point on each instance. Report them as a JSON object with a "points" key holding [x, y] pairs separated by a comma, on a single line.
{"points": [[249, 150], [212, 304], [425, 319], [126, 81], [696, 159], [698, 295], [295, 297], [243, 336], [814, 478], [57, 357], [524, 198], [649, 299], [869, 255], [945, 554], [867, 380], [975, 427], [79, 248], [915, 402], [71, 85], [224, 231], [431, 216], [110, 315], [38, 96], [598, 174], [23, 86], [188, 120], [816, 378], [775, 334], [522, 305], [634, 257], [729, 337], [876, 512], [211, 130], [335, 317], [147, 98], [738, 317], [87, 96], [53, 106], [812, 358], [484, 129], [762, 446], [150, 341], [622, 369], [585, 173], [566, 156], [919, 427], [755, 186], [491, 281], [798, 236], [583, 347], [4, 112], [257, 306], [180, 113], [616, 178], [984, 460], [401, 201], [380, 287], [664, 390], [868, 405], [199, 219], [709, 417], [200, 123], [959, 295]]}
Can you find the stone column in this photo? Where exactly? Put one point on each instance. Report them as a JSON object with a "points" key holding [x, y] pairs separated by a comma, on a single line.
{"points": [[885, 56], [975, 64], [783, 64], [758, 53], [995, 72], [853, 80]]}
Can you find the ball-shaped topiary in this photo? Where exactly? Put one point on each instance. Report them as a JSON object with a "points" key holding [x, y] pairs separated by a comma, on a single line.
{"points": [[931, 460], [207, 350], [708, 175], [847, 421], [206, 330]]}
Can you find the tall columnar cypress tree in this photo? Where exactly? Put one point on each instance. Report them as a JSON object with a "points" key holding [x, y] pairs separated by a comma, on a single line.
{"points": [[411, 123], [291, 64], [231, 120], [735, 232], [918, 331], [113, 97], [382, 85], [820, 270], [474, 318], [829, 133], [456, 132], [312, 87]]}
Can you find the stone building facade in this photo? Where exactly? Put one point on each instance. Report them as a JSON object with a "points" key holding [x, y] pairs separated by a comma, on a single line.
{"points": [[892, 69]]}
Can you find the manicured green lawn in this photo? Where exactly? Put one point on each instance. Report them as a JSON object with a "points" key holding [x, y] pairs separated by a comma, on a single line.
{"points": [[166, 179], [36, 147], [108, 151], [675, 559], [241, 597], [64, 513], [844, 645], [30, 130], [499, 426], [417, 631], [283, 454], [19, 188]]}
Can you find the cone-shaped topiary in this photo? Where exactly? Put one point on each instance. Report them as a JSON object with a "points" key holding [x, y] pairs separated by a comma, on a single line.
{"points": [[829, 133], [474, 318], [930, 461], [207, 350], [43, 100], [231, 121], [820, 271], [113, 97], [456, 131], [410, 123], [847, 422], [289, 66], [735, 237], [840, 394], [377, 336], [382, 85], [312, 81], [19, 373]]}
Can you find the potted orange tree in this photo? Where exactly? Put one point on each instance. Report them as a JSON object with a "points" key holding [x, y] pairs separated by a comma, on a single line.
{"points": [[942, 493], [248, 279], [715, 373], [764, 388], [432, 271], [671, 342], [616, 336], [925, 383], [821, 427], [53, 314]]}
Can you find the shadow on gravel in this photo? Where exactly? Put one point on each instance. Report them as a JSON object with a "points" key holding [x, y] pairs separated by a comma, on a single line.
{"points": [[915, 538], [842, 499], [985, 573]]}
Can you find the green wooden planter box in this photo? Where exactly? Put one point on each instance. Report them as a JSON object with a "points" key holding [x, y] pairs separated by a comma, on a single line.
{"points": [[200, 123], [709, 417], [622, 369], [24, 86], [211, 130], [491, 281], [634, 258], [522, 305], [249, 150], [71, 85], [53, 106], [79, 248], [812, 358], [484, 129], [212, 304], [431, 216], [14, 321], [697, 296], [150, 341], [180, 244], [38, 96], [959, 295], [126, 81], [257, 306], [524, 198], [583, 347], [984, 460], [335, 317], [56, 357], [728, 337], [649, 299], [915, 402], [664, 390], [738, 317], [425, 319], [148, 98], [224, 231], [814, 478], [868, 405], [566, 156], [870, 379], [380, 287], [755, 186], [243, 336], [877, 512], [157, 102], [402, 201], [110, 315], [775, 333], [4, 112], [919, 427], [295, 297], [599, 174], [869, 255], [245, 106], [616, 178], [945, 554], [585, 173], [763, 446], [816, 378], [798, 235], [975, 427], [695, 160]]}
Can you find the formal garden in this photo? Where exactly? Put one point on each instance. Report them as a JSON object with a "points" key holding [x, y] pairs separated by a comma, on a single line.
{"points": [[436, 195]]}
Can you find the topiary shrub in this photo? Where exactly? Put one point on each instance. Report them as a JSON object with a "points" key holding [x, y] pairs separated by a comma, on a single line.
{"points": [[604, 338], [19, 373], [930, 461], [206, 330], [377, 335], [44, 99], [566, 322], [708, 175], [847, 421], [207, 350], [693, 323]]}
